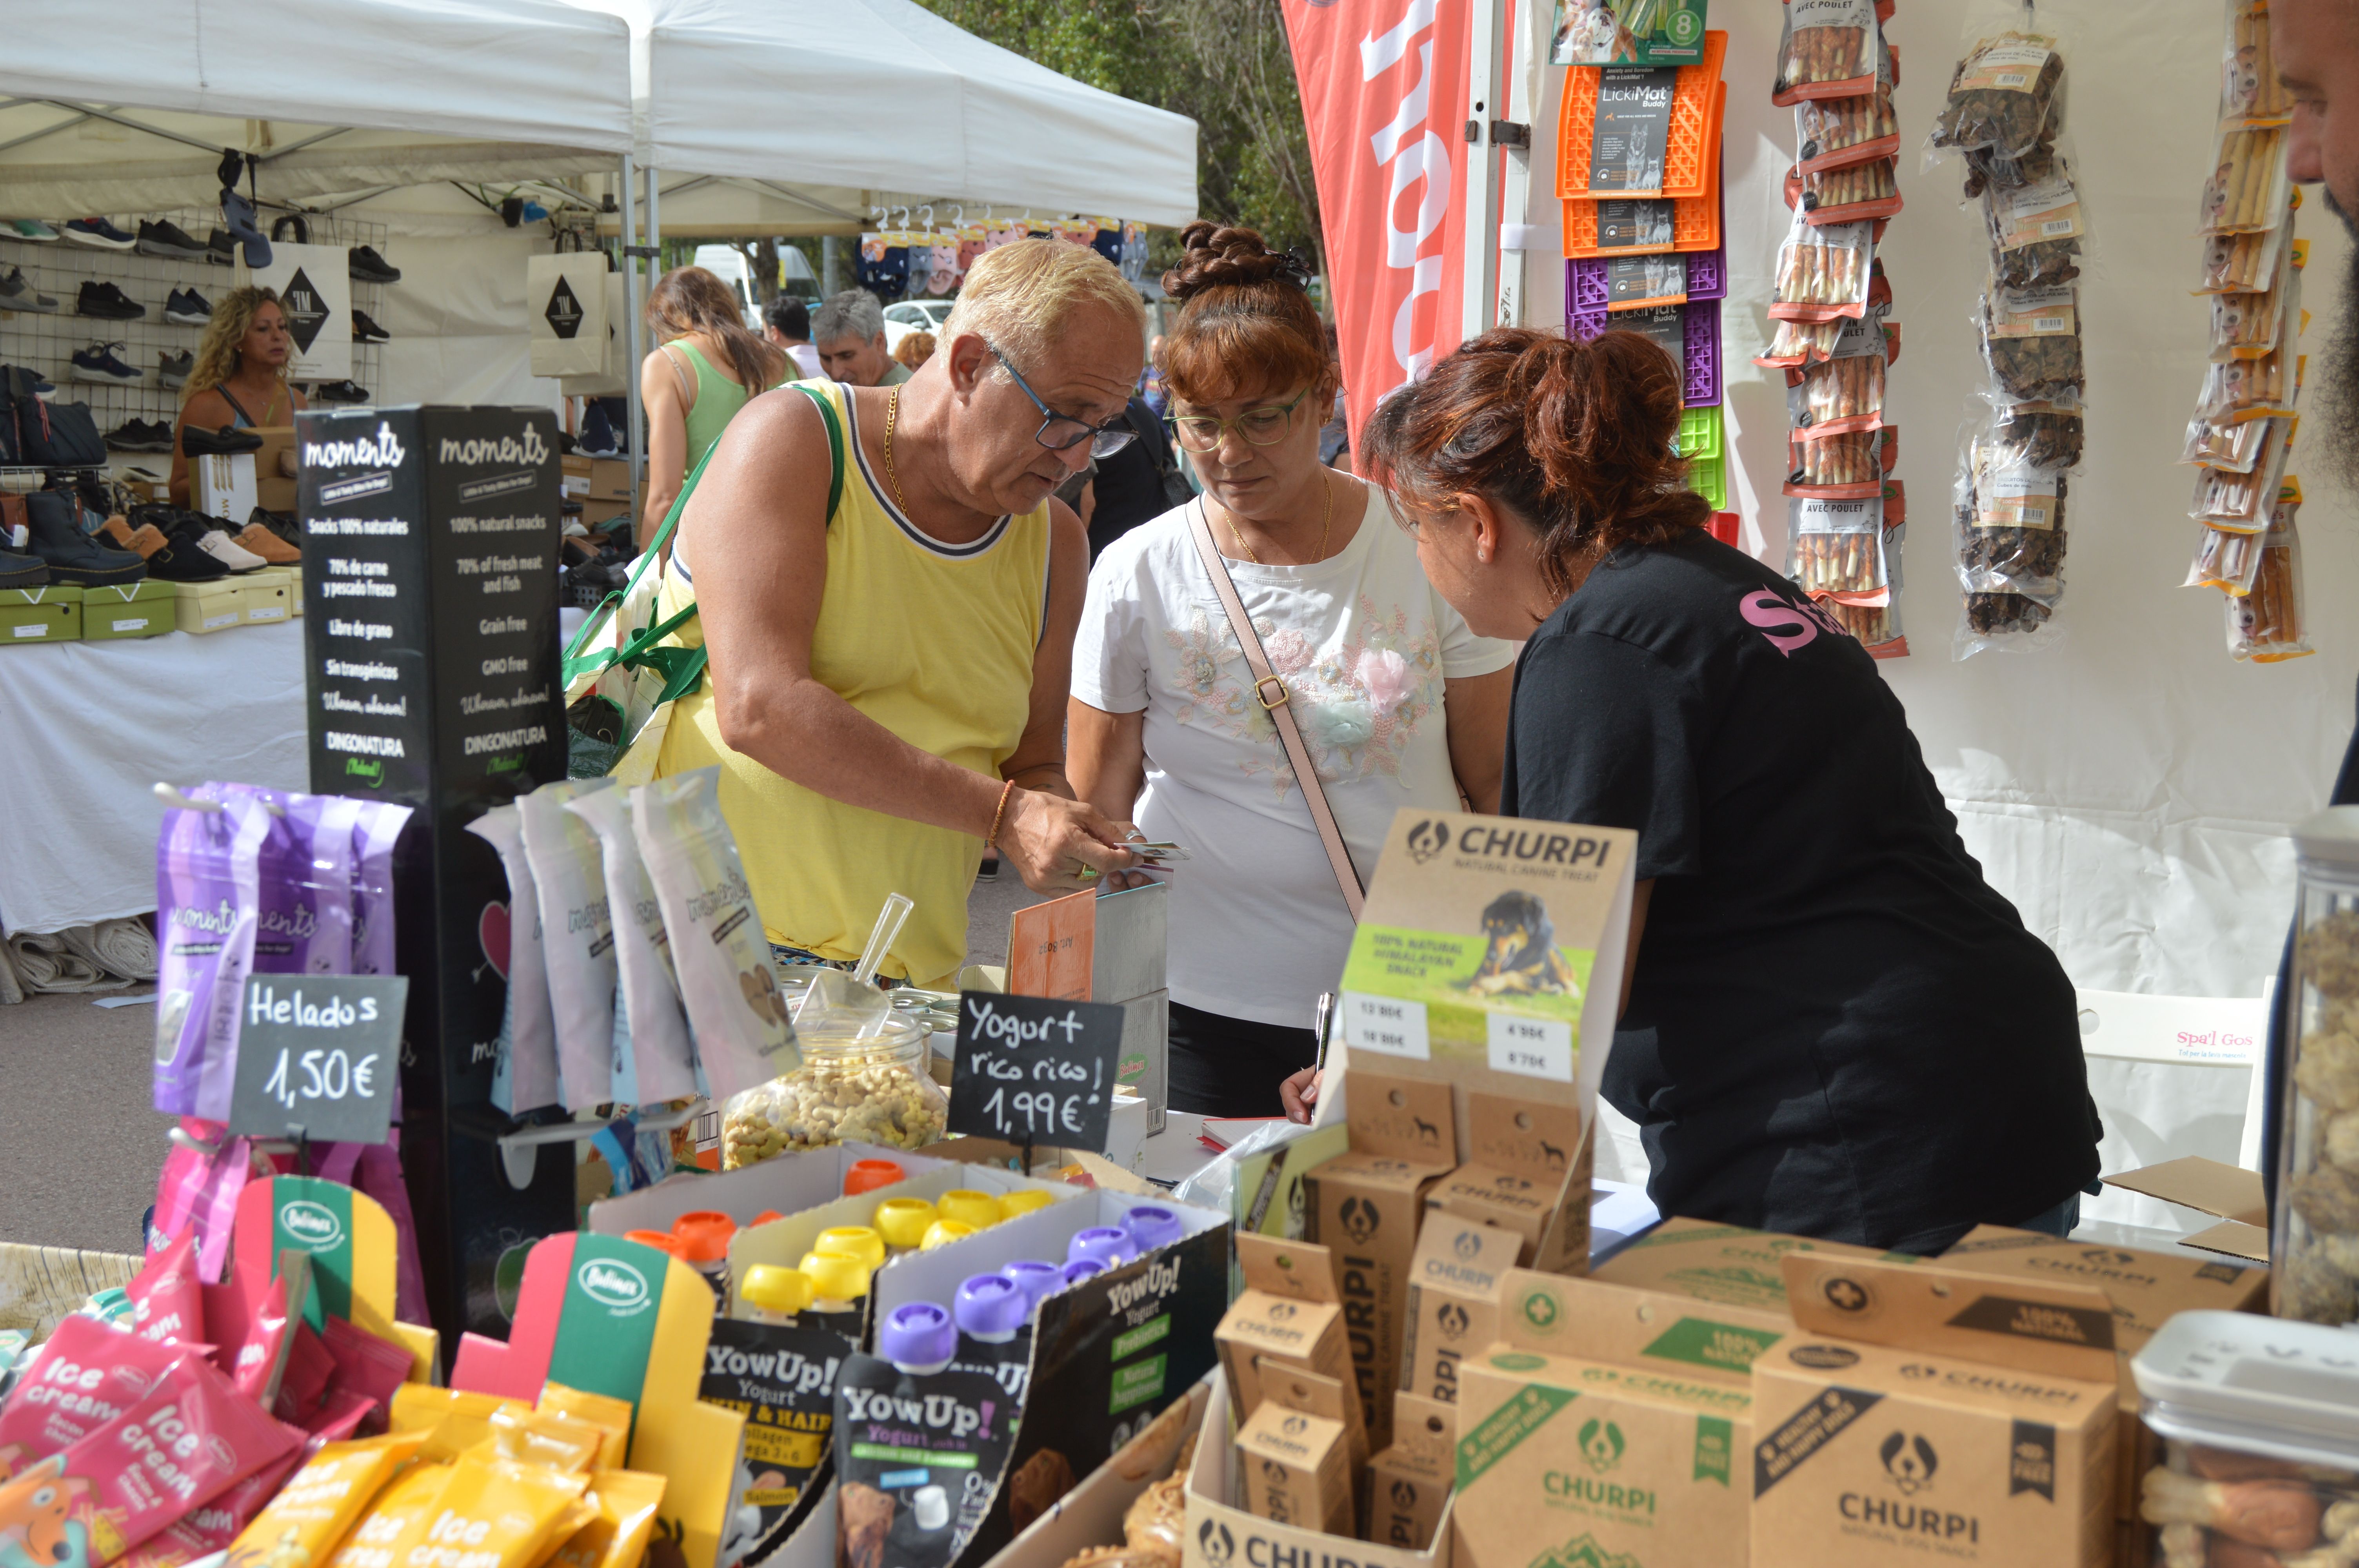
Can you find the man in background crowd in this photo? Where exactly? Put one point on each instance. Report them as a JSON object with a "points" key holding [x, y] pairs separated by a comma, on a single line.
{"points": [[789, 326], [849, 330]]}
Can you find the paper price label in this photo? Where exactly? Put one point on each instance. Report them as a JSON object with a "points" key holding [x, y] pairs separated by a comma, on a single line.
{"points": [[1386, 1026], [38, 629], [1535, 1047], [2018, 500], [2056, 227], [2035, 313], [2013, 67]]}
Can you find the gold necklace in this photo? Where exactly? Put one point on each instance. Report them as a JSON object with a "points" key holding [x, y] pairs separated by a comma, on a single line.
{"points": [[1326, 516], [892, 413]]}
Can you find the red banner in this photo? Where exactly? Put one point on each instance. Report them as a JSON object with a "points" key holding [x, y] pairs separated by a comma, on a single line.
{"points": [[1384, 97]]}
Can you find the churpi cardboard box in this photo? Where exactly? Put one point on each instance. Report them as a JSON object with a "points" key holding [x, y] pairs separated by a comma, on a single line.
{"points": [[1409, 1483], [1525, 1156], [1647, 1330], [1288, 1312], [1712, 1262], [49, 614], [1295, 1454], [1926, 1412], [1364, 1205], [142, 608], [1455, 1280], [1569, 1461]]}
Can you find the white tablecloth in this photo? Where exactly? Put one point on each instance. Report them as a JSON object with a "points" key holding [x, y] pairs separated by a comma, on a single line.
{"points": [[86, 730]]}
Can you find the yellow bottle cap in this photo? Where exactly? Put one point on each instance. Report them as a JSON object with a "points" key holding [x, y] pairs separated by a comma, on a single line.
{"points": [[969, 1207], [852, 1242], [1023, 1202], [903, 1221], [943, 1231], [835, 1279], [773, 1289]]}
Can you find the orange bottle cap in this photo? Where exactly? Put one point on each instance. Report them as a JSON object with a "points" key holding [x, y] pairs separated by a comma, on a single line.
{"points": [[867, 1175], [703, 1237], [661, 1240]]}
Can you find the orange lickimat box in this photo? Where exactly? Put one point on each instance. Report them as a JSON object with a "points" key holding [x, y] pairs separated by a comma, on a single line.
{"points": [[1611, 112], [1927, 1415], [1363, 1206]]}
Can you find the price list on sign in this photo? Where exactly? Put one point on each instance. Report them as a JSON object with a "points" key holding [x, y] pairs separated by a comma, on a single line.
{"points": [[318, 1056], [1035, 1069]]}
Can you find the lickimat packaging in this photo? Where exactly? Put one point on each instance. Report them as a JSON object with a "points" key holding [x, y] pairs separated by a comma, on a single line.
{"points": [[1927, 1414]]}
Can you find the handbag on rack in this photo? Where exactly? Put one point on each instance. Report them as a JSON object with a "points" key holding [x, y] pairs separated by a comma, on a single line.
{"points": [[1280, 708], [620, 681], [35, 434]]}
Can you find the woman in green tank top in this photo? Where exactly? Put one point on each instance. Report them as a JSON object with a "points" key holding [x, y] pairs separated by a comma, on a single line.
{"points": [[707, 367]]}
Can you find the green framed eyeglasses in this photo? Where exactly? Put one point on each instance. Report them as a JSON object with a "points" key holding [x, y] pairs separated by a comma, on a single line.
{"points": [[1259, 427]]}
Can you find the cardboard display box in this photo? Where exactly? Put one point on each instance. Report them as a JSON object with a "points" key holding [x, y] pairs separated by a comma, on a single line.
{"points": [[1288, 1312], [143, 609], [1295, 1453], [2233, 1196], [1456, 1280], [51, 614], [275, 470], [1091, 1514], [1526, 1157], [202, 606], [1926, 1412], [1711, 1262], [1409, 1483], [1655, 1331]]}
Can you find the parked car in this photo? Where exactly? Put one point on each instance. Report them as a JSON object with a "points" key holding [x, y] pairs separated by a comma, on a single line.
{"points": [[914, 316]]}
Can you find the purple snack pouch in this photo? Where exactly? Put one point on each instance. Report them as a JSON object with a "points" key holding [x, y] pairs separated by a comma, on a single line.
{"points": [[373, 835], [207, 899]]}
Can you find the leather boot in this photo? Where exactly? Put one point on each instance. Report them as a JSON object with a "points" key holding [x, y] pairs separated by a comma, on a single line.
{"points": [[72, 555]]}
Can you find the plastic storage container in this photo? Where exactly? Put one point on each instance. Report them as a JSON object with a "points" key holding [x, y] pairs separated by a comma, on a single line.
{"points": [[849, 1089], [2315, 1246], [2259, 1418]]}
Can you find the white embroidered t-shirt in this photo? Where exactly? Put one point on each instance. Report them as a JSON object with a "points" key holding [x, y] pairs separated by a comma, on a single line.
{"points": [[1259, 927]]}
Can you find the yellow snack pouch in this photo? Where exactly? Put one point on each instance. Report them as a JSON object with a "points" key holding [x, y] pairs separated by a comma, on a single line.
{"points": [[555, 1442], [609, 1414], [490, 1513], [376, 1532], [579, 1515], [627, 1500], [307, 1520]]}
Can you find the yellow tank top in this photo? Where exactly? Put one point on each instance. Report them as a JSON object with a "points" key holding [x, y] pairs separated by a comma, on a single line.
{"points": [[935, 642]]}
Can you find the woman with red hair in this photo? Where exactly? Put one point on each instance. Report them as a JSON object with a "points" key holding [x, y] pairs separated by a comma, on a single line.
{"points": [[1832, 1025]]}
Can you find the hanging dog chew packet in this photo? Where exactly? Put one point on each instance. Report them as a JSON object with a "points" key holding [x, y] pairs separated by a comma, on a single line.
{"points": [[661, 1062], [909, 1493], [320, 1501], [167, 1302], [618, 1538], [525, 1074], [304, 876], [86, 1375], [782, 1378], [577, 936], [718, 946], [205, 916]]}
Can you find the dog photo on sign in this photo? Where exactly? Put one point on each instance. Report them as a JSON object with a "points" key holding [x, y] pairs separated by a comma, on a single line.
{"points": [[1522, 958]]}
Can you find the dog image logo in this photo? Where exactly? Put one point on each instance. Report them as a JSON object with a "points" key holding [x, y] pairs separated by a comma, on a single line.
{"points": [[2106, 1257], [1601, 1445], [1910, 1462], [1295, 1425], [1426, 1131], [1468, 1245], [1281, 1311], [1428, 839], [1403, 1495], [1360, 1220], [1453, 1320], [1552, 1154], [1214, 1539], [1521, 956]]}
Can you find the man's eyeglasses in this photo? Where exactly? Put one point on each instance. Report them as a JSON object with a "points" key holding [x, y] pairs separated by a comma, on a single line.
{"points": [[1062, 432], [1259, 427]]}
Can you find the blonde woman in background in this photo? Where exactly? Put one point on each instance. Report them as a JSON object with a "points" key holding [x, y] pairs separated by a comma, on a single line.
{"points": [[914, 350], [709, 364], [239, 378]]}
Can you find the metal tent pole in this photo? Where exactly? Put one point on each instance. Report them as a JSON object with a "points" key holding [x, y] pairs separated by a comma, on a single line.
{"points": [[633, 349], [1485, 30]]}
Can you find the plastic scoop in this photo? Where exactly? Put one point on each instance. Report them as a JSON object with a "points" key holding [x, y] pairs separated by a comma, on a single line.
{"points": [[881, 936]]}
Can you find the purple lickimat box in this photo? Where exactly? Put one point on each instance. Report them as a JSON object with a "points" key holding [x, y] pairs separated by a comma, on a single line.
{"points": [[1699, 329]]}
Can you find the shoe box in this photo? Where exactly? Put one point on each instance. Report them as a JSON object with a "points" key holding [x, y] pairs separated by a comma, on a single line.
{"points": [[223, 485], [596, 479], [51, 614], [267, 595], [274, 467], [143, 609], [215, 606]]}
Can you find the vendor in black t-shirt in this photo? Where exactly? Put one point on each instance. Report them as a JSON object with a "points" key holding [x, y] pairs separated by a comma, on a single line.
{"points": [[1832, 1025]]}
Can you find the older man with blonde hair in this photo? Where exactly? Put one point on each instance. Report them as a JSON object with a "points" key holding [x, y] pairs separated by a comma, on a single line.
{"points": [[887, 683]]}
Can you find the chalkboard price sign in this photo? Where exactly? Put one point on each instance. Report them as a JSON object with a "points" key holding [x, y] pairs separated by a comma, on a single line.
{"points": [[318, 1056], [1032, 1069]]}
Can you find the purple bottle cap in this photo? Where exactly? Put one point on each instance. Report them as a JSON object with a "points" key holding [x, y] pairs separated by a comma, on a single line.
{"points": [[1151, 1226], [1107, 1244], [989, 1304], [1081, 1268], [918, 1335], [1035, 1278]]}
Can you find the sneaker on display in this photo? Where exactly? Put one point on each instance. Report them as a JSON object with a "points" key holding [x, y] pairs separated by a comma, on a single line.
{"points": [[108, 303], [172, 369], [187, 307], [131, 436], [220, 249], [101, 363], [73, 556], [199, 442], [367, 330], [340, 391], [17, 294], [43, 388], [169, 240], [367, 267], [100, 232], [217, 544], [28, 229]]}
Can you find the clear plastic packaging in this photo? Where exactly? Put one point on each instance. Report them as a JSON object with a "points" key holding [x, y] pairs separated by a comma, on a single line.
{"points": [[2315, 1244], [2237, 390], [2248, 187], [1844, 466], [2010, 523], [2219, 444], [854, 1087], [2036, 229], [1834, 549], [2242, 264], [2003, 96], [2031, 342], [2227, 561], [1837, 396], [2267, 625], [1823, 271], [2047, 434], [1844, 195], [2245, 326], [1828, 50], [2250, 93], [1831, 132], [2243, 500]]}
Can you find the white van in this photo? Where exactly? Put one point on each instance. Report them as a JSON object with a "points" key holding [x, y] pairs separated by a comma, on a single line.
{"points": [[728, 263]]}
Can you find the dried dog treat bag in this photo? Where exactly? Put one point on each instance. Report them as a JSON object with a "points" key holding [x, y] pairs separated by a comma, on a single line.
{"points": [[576, 934], [654, 1059], [2244, 264], [2001, 96], [1831, 132], [375, 834], [1824, 271], [2246, 326], [2011, 528], [2249, 189], [85, 1377], [1848, 194], [1837, 396], [2045, 434], [2243, 502], [208, 906], [1847, 466], [2031, 342], [2250, 93], [526, 1074], [1828, 50], [1835, 547], [2267, 625], [2225, 561], [2035, 230], [719, 950]]}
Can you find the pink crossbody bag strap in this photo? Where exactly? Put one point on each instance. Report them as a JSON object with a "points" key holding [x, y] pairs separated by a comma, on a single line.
{"points": [[1277, 702]]}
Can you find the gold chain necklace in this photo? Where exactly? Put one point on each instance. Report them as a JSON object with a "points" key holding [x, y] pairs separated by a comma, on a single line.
{"points": [[1326, 512], [892, 413]]}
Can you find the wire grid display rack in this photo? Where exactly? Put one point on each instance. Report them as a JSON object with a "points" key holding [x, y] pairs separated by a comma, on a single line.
{"points": [[46, 342]]}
